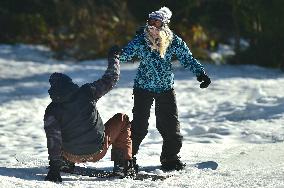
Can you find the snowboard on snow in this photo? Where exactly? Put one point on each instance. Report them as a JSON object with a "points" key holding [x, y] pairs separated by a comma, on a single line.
{"points": [[145, 173], [92, 172]]}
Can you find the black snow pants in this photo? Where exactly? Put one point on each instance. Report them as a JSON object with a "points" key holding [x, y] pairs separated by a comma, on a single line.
{"points": [[166, 121]]}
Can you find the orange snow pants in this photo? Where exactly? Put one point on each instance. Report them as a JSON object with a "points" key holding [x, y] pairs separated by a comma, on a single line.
{"points": [[117, 134]]}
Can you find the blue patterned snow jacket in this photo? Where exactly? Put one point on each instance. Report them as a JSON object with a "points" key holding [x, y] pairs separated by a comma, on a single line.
{"points": [[155, 73]]}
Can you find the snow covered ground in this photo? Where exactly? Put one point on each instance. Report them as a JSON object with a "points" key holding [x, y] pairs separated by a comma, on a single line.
{"points": [[237, 122]]}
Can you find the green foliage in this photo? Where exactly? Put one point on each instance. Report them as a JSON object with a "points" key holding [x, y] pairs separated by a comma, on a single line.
{"points": [[89, 28], [22, 21], [86, 29], [263, 24]]}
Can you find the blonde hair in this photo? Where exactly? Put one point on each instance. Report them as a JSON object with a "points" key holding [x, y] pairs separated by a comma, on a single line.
{"points": [[158, 39]]}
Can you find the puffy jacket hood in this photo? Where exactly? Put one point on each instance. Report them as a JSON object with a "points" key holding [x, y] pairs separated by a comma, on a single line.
{"points": [[62, 87]]}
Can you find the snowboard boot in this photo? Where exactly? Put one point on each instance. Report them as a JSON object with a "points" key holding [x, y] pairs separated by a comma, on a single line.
{"points": [[118, 159], [125, 169], [67, 166], [135, 165], [172, 164], [122, 167], [129, 169], [118, 169]]}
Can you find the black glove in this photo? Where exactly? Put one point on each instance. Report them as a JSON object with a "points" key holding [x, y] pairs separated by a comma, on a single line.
{"points": [[114, 51], [204, 79], [54, 171]]}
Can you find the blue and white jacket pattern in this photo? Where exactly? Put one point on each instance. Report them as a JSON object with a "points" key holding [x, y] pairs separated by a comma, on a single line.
{"points": [[155, 74]]}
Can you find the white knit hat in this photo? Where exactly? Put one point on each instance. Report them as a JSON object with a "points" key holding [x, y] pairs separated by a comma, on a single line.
{"points": [[164, 15]]}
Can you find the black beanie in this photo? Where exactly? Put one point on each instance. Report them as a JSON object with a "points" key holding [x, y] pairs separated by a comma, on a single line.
{"points": [[61, 87], [58, 78]]}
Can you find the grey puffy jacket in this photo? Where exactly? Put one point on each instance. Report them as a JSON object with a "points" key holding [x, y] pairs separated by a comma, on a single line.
{"points": [[72, 122]]}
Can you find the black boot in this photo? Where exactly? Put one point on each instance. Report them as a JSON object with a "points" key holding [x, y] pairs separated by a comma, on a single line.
{"points": [[129, 169], [135, 165], [118, 168], [122, 167], [67, 166], [172, 164], [117, 156]]}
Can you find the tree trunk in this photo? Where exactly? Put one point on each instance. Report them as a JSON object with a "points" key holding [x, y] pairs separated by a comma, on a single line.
{"points": [[236, 28]]}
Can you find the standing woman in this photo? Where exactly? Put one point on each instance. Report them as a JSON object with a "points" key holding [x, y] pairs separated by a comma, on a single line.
{"points": [[155, 45]]}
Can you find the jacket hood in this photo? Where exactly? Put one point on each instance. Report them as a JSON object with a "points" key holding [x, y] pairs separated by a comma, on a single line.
{"points": [[61, 87]]}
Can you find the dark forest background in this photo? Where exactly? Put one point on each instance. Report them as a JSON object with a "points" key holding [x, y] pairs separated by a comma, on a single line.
{"points": [[85, 29]]}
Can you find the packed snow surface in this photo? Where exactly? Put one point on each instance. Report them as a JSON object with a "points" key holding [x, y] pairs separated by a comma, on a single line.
{"points": [[237, 122]]}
